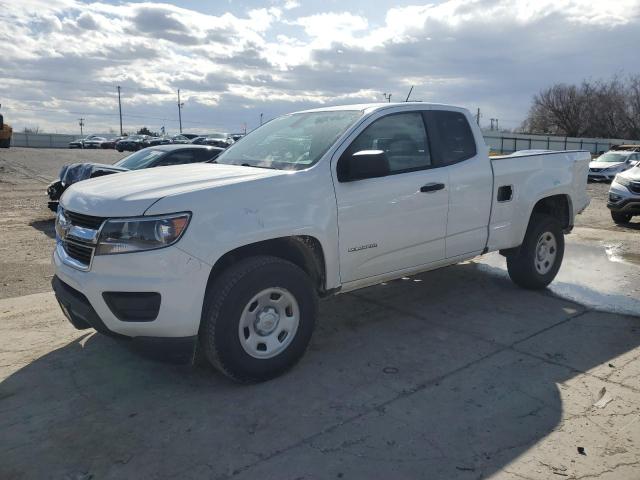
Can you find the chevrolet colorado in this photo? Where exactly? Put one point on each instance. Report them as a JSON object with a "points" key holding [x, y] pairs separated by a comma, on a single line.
{"points": [[229, 259]]}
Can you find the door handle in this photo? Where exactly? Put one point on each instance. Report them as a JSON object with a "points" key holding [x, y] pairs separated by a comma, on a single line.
{"points": [[431, 187]]}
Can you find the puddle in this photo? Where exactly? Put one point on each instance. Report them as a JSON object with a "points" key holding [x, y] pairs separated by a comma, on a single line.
{"points": [[600, 277], [616, 253]]}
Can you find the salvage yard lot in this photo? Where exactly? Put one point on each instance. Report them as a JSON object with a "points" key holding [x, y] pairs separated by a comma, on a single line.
{"points": [[455, 373]]}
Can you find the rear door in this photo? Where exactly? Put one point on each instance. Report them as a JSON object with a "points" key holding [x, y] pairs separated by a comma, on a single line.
{"points": [[398, 221], [470, 180]]}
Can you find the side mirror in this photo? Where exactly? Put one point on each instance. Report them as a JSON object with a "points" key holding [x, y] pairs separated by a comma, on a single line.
{"points": [[363, 164]]}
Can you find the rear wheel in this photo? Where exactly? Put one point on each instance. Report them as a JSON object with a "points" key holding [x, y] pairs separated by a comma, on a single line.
{"points": [[258, 318], [539, 258], [621, 218]]}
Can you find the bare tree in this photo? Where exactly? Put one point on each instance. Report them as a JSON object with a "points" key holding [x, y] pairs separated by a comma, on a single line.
{"points": [[607, 109]]}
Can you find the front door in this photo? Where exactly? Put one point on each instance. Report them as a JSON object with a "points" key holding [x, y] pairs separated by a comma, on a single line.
{"points": [[398, 221]]}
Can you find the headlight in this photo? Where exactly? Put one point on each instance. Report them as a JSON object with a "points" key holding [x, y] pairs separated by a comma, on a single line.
{"points": [[142, 233], [622, 181]]}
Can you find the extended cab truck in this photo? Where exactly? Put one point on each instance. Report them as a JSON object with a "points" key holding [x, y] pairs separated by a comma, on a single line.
{"points": [[231, 257]]}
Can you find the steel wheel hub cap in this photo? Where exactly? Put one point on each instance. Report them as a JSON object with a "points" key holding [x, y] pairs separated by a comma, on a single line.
{"points": [[269, 323], [266, 321], [546, 251]]}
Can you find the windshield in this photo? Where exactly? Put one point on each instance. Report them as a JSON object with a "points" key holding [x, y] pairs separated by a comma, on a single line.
{"points": [[140, 159], [611, 157], [292, 142], [217, 135]]}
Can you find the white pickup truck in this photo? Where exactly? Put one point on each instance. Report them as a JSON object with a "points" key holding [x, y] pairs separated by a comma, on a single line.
{"points": [[229, 259]]}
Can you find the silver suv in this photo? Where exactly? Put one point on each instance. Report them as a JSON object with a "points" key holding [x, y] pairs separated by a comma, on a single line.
{"points": [[624, 195]]}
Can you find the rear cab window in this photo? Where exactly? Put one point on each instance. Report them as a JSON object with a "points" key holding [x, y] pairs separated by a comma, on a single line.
{"points": [[451, 137]]}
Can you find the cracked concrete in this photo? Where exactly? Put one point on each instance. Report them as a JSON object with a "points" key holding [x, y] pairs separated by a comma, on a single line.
{"points": [[452, 374]]}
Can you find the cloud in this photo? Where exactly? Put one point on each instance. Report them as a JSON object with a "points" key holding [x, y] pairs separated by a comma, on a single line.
{"points": [[233, 65]]}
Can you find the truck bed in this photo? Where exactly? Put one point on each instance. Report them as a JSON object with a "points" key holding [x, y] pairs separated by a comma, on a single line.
{"points": [[521, 180]]}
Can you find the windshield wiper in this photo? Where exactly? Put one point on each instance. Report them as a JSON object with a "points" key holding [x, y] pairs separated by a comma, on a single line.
{"points": [[257, 166]]}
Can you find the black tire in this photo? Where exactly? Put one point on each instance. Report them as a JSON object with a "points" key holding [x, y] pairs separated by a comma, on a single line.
{"points": [[621, 218], [120, 150], [225, 302], [522, 266]]}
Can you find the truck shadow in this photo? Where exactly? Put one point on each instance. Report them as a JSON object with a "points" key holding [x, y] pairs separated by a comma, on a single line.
{"points": [[451, 374], [46, 226]]}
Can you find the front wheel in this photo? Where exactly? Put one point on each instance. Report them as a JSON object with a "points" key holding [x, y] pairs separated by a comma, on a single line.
{"points": [[621, 218], [540, 255], [258, 318]]}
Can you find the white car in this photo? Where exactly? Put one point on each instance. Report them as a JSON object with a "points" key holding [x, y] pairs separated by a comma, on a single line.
{"points": [[609, 164], [231, 258], [624, 195]]}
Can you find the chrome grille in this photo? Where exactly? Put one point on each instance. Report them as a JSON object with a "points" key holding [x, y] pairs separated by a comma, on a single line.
{"points": [[79, 252], [77, 235], [82, 220]]}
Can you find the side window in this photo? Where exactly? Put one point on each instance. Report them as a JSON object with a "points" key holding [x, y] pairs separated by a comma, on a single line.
{"points": [[176, 158], [403, 138], [204, 154], [451, 135]]}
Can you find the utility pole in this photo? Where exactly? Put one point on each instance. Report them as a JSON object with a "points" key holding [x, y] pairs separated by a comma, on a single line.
{"points": [[261, 119], [120, 109], [180, 105], [244, 125], [497, 127], [478, 117], [81, 125], [492, 120]]}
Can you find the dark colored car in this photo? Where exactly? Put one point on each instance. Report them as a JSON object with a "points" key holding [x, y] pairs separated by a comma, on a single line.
{"points": [[190, 136], [133, 143], [158, 156], [155, 141], [111, 142]]}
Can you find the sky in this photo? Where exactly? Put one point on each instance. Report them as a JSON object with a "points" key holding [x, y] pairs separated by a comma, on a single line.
{"points": [[234, 61]]}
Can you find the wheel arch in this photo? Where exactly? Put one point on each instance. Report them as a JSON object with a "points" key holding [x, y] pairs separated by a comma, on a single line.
{"points": [[304, 251], [558, 206]]}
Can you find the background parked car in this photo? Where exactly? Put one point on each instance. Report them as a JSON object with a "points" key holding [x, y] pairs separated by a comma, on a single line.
{"points": [[80, 142], [111, 142], [183, 139], [95, 142], [190, 136], [158, 156], [607, 166], [624, 195], [133, 143], [223, 140]]}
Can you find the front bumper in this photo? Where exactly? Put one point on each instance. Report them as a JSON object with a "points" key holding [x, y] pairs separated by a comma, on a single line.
{"points": [[78, 310], [176, 276], [601, 176], [622, 200]]}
